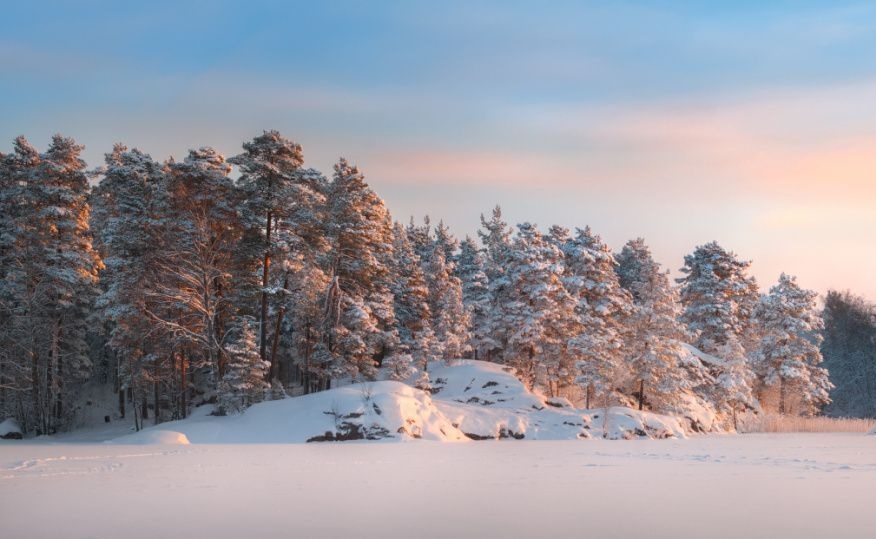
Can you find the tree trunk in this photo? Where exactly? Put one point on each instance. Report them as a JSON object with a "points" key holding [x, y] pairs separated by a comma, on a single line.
{"points": [[145, 405], [35, 388], [58, 384], [266, 266], [219, 328], [122, 403], [138, 421], [781, 396], [272, 372], [157, 398], [182, 386], [641, 393]]}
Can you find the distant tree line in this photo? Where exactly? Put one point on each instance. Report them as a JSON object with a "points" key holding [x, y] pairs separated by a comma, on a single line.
{"points": [[180, 286]]}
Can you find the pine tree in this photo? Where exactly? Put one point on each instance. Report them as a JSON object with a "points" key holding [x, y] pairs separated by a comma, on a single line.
{"points": [[420, 238], [196, 215], [789, 355], [475, 296], [654, 332], [540, 313], [450, 319], [123, 209], [245, 380], [412, 312], [360, 321], [732, 391], [718, 297], [602, 306], [496, 239], [50, 279], [15, 368], [446, 243], [277, 197]]}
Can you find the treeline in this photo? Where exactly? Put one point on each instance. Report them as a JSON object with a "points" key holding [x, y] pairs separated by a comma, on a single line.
{"points": [[180, 286], [850, 353]]}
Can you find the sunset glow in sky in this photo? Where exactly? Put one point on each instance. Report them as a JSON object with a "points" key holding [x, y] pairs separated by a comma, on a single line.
{"points": [[751, 123]]}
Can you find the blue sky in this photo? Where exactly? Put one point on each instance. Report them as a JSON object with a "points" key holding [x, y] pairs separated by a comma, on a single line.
{"points": [[752, 123]]}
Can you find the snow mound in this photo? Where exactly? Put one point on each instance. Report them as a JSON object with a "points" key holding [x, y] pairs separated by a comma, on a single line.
{"points": [[487, 401], [390, 411], [9, 430], [154, 437], [468, 400]]}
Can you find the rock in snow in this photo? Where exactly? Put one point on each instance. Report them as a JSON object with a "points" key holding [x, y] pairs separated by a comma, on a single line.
{"points": [[469, 400]]}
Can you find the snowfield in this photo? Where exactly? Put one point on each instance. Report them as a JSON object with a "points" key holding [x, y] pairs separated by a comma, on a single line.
{"points": [[776, 485]]}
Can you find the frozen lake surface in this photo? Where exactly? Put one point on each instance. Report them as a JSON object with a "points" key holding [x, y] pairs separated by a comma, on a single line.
{"points": [[765, 485]]}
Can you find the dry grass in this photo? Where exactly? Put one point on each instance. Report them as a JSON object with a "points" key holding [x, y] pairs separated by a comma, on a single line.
{"points": [[786, 423]]}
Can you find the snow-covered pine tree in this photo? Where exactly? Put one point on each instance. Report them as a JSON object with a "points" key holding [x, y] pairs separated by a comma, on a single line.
{"points": [[15, 368], [496, 238], [450, 319], [15, 168], [412, 313], [732, 392], [540, 313], [277, 197], [300, 316], [475, 296], [127, 241], [654, 333], [300, 262], [789, 357], [196, 215], [602, 308], [245, 380], [495, 235], [718, 297], [50, 279], [359, 325], [447, 243], [420, 238]]}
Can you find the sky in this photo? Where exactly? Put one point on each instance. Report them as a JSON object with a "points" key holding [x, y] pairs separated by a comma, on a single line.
{"points": [[749, 123]]}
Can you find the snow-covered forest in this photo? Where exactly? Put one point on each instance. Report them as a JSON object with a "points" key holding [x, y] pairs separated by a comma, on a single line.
{"points": [[236, 280]]}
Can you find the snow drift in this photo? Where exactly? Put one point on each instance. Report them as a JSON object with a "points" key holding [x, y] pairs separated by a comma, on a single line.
{"points": [[468, 400], [154, 436], [10, 430]]}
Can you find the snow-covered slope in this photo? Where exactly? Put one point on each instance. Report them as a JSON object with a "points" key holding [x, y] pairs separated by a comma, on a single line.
{"points": [[485, 400], [469, 400]]}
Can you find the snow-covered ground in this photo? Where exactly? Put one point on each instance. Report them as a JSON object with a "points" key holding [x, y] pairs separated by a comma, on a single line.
{"points": [[468, 400], [777, 485], [521, 465]]}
